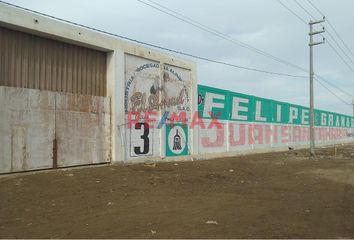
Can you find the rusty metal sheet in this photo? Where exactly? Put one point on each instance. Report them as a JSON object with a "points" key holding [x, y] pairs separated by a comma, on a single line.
{"points": [[82, 129], [26, 129], [42, 129]]}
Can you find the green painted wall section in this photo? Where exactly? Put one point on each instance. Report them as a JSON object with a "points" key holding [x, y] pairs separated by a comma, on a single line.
{"points": [[227, 105]]}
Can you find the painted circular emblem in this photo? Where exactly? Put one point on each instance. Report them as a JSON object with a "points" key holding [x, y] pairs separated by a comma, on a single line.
{"points": [[177, 140]]}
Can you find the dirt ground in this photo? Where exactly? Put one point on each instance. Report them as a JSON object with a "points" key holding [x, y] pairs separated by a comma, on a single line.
{"points": [[276, 195]]}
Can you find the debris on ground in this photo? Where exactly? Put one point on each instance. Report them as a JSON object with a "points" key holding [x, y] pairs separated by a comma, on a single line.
{"points": [[202, 199], [211, 222], [150, 165]]}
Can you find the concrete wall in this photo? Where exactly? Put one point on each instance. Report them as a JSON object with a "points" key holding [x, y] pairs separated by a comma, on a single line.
{"points": [[140, 80], [153, 89], [249, 124], [117, 52]]}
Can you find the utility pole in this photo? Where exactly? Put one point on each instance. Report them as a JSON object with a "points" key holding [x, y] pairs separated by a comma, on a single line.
{"points": [[312, 112], [353, 107]]}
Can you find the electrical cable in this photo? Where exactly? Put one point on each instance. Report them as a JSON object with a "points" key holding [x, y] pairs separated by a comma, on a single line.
{"points": [[217, 33], [303, 8], [333, 28], [334, 40], [317, 76], [156, 46], [294, 13], [341, 99], [331, 36], [337, 53]]}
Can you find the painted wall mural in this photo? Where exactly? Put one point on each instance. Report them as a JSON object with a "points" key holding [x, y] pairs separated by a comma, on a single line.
{"points": [[176, 140], [160, 121], [248, 122], [155, 93]]}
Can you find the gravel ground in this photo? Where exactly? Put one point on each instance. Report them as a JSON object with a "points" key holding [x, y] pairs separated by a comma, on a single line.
{"points": [[274, 195]]}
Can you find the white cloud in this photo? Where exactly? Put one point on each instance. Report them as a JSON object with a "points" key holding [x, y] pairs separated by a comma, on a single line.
{"points": [[263, 24]]}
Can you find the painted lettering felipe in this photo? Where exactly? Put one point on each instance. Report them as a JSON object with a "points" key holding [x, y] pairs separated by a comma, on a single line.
{"points": [[240, 107]]}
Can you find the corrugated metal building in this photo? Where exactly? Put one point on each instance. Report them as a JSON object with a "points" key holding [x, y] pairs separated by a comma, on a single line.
{"points": [[62, 93], [30, 61], [66, 93]]}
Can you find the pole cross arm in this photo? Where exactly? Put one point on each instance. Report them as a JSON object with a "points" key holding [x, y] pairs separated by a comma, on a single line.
{"points": [[318, 32], [317, 43], [317, 22]]}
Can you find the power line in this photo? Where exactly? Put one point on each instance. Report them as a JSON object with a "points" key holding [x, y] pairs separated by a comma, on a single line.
{"points": [[294, 13], [156, 46], [227, 37], [341, 99], [333, 28], [336, 52], [208, 29], [194, 23], [317, 76], [232, 65], [345, 45], [211, 29], [334, 86], [149, 44], [330, 35], [291, 11], [303, 8], [301, 19], [318, 10]]}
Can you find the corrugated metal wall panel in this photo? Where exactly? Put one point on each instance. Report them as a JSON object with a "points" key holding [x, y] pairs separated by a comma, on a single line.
{"points": [[30, 61]]}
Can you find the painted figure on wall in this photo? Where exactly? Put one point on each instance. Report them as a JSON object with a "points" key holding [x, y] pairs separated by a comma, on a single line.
{"points": [[177, 141]]}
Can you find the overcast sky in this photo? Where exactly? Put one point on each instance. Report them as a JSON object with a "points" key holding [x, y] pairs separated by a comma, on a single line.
{"points": [[264, 24]]}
